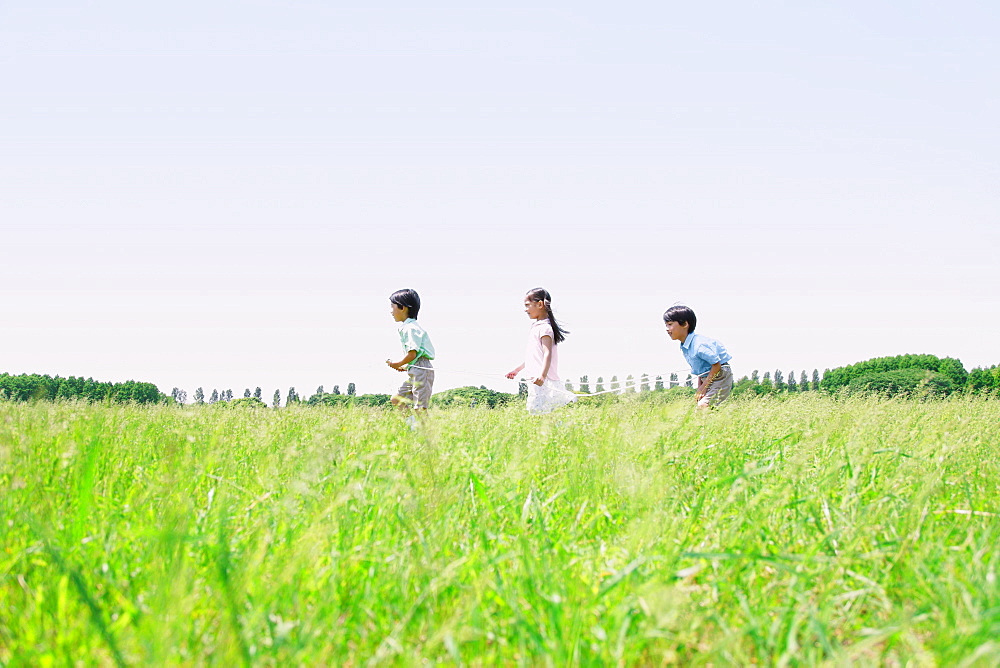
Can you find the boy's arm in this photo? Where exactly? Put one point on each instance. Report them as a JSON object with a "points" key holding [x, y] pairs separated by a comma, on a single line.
{"points": [[401, 364], [709, 379]]}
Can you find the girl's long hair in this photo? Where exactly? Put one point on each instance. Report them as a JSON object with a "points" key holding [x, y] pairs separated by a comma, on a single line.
{"points": [[542, 295]]}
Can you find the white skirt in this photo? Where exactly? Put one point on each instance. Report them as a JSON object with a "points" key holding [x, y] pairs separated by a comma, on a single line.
{"points": [[548, 396]]}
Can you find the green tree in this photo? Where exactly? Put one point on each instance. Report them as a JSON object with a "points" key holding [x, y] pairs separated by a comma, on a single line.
{"points": [[629, 383], [214, 398], [256, 393], [199, 396], [954, 370], [585, 384], [659, 383], [351, 390], [614, 383], [644, 385], [600, 384], [792, 385], [276, 401], [319, 390], [673, 380], [803, 381], [755, 377], [982, 381], [246, 393]]}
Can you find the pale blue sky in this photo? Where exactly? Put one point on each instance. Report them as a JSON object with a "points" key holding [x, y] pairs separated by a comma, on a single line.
{"points": [[224, 194]]}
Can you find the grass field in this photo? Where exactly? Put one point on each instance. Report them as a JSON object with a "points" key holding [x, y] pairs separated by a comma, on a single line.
{"points": [[774, 531]]}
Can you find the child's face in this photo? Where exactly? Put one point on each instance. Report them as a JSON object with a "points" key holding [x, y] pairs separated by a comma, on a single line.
{"points": [[399, 313], [535, 310], [677, 331]]}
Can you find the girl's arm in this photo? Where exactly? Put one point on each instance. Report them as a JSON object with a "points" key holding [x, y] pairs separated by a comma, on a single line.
{"points": [[516, 371], [546, 359], [399, 366]]}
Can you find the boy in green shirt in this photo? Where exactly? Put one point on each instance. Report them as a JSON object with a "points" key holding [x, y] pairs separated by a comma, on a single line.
{"points": [[415, 392]]}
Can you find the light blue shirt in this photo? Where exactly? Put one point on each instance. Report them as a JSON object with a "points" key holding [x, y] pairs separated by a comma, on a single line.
{"points": [[413, 337], [701, 352]]}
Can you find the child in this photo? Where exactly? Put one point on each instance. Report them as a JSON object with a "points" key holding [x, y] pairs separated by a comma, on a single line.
{"points": [[541, 357], [415, 392], [708, 358]]}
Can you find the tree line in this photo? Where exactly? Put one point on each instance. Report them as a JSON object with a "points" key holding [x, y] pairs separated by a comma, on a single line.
{"points": [[899, 375], [320, 397], [37, 387], [893, 376]]}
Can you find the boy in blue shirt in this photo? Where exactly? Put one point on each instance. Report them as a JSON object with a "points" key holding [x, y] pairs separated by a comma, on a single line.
{"points": [[708, 358]]}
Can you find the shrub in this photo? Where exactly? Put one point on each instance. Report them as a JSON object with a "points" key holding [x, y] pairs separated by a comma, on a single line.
{"points": [[470, 395], [669, 395], [329, 399], [243, 402], [948, 367], [902, 382]]}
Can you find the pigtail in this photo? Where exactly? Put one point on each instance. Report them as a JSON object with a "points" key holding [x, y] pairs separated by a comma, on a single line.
{"points": [[558, 333]]}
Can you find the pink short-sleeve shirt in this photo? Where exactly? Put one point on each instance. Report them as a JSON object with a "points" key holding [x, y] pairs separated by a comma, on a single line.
{"points": [[534, 352]]}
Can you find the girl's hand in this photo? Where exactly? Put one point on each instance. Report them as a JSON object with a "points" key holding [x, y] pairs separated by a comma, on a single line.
{"points": [[538, 381], [510, 376]]}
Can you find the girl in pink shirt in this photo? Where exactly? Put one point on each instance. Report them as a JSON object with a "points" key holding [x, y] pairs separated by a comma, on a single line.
{"points": [[541, 356]]}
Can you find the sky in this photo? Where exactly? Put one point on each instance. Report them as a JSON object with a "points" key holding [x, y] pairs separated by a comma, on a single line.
{"points": [[224, 194]]}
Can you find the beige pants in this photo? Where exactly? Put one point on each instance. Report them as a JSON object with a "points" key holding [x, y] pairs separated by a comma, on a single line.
{"points": [[416, 390], [720, 388]]}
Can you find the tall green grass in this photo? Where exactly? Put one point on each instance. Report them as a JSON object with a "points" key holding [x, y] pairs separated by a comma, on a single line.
{"points": [[796, 531]]}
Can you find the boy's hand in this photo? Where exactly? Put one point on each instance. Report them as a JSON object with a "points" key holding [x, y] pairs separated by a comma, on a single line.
{"points": [[394, 365]]}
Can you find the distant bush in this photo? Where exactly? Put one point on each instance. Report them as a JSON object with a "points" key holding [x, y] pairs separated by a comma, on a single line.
{"points": [[472, 396], [747, 387], [242, 402], [329, 399], [902, 382], [948, 367], [668, 395], [35, 387]]}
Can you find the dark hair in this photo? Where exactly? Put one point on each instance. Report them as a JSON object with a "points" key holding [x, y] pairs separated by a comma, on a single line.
{"points": [[681, 315], [408, 298], [542, 295]]}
